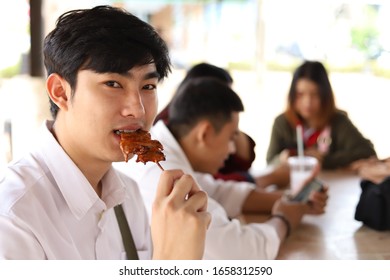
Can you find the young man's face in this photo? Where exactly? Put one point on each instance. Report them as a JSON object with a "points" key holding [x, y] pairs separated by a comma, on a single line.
{"points": [[218, 147], [103, 104]]}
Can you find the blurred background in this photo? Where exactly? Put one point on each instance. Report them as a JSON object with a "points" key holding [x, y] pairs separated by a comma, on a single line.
{"points": [[259, 41]]}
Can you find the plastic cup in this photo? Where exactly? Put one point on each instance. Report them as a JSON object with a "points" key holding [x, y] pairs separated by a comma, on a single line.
{"points": [[301, 168]]}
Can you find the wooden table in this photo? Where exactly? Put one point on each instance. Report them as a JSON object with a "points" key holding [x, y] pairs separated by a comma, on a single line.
{"points": [[335, 234]]}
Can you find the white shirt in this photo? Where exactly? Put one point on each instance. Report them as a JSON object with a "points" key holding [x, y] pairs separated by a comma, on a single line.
{"points": [[226, 238], [48, 209]]}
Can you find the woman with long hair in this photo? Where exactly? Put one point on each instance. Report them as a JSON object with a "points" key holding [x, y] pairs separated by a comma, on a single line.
{"points": [[327, 132]]}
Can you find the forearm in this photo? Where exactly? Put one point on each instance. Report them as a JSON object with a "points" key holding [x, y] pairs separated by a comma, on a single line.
{"points": [[343, 158], [260, 202], [279, 176], [264, 181]]}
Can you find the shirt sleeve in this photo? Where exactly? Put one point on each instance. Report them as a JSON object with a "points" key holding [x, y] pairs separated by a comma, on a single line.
{"points": [[17, 242], [230, 194], [229, 239]]}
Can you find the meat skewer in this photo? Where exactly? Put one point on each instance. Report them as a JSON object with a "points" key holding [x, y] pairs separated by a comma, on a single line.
{"points": [[139, 142]]}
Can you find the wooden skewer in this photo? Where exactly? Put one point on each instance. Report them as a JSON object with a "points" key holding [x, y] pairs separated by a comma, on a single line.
{"points": [[159, 165]]}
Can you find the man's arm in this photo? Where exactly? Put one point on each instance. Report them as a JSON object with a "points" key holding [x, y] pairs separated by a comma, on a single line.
{"points": [[259, 201], [279, 176]]}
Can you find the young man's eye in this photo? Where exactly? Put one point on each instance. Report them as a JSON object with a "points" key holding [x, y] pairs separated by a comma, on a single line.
{"points": [[113, 84], [150, 87]]}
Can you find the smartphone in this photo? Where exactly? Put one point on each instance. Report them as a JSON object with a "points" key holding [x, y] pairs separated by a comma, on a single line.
{"points": [[303, 195]]}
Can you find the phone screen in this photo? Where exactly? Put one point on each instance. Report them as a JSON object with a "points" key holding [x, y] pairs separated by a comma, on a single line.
{"points": [[303, 195]]}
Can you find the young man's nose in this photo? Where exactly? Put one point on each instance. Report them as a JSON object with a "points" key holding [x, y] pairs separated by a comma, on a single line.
{"points": [[133, 105], [232, 147]]}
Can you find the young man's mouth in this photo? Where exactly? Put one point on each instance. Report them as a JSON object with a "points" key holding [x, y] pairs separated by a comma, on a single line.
{"points": [[120, 131]]}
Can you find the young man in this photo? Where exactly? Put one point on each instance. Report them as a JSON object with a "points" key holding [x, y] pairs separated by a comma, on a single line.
{"points": [[237, 165], [199, 136], [58, 202]]}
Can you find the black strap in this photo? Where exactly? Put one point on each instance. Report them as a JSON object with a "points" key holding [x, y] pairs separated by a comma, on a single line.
{"points": [[127, 238]]}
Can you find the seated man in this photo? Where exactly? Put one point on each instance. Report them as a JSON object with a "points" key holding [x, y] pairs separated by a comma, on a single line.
{"points": [[204, 117], [237, 165]]}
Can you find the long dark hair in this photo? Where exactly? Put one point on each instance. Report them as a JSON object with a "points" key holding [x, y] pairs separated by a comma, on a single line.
{"points": [[315, 72]]}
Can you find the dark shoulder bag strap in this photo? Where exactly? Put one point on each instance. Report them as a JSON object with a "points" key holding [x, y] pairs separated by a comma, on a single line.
{"points": [[127, 238]]}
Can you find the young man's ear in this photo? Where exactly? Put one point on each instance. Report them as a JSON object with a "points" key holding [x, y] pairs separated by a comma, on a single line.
{"points": [[204, 132], [58, 90]]}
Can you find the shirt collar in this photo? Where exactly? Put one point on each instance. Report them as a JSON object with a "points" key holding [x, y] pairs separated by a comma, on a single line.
{"points": [[171, 147], [74, 186]]}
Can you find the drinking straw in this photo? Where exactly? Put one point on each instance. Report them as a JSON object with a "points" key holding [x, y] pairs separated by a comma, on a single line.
{"points": [[300, 143]]}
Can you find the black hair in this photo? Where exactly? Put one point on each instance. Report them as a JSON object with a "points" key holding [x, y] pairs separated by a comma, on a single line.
{"points": [[103, 39], [208, 70], [202, 98], [197, 71]]}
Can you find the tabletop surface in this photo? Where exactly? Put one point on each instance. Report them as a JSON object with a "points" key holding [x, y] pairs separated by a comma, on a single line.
{"points": [[335, 234]]}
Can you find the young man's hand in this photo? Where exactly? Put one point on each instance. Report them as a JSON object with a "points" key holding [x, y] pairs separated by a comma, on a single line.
{"points": [[317, 201], [179, 217], [292, 210]]}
